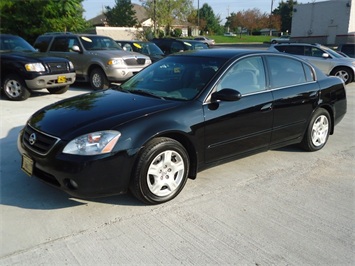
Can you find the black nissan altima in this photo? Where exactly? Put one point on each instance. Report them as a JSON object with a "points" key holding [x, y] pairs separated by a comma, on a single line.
{"points": [[183, 114]]}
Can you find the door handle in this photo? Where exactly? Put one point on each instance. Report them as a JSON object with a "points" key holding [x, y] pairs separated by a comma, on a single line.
{"points": [[266, 107]]}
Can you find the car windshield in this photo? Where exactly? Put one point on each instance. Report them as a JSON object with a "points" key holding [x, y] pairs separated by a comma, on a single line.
{"points": [[332, 52], [147, 48], [175, 77], [99, 43], [15, 43]]}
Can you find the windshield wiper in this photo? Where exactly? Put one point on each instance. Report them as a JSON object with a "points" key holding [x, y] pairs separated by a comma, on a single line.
{"points": [[146, 93]]}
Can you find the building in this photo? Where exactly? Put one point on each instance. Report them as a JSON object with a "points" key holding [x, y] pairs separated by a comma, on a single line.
{"points": [[330, 22]]}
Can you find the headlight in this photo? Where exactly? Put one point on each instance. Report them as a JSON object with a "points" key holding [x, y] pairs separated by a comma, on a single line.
{"points": [[93, 143], [71, 66], [116, 61], [35, 67]]}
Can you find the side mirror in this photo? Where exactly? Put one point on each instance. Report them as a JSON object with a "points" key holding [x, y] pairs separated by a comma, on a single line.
{"points": [[325, 55], [76, 48], [228, 95]]}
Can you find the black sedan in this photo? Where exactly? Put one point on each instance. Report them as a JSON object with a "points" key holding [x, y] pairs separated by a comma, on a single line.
{"points": [[183, 114]]}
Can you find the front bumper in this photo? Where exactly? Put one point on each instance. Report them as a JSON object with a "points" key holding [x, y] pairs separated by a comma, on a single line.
{"points": [[51, 81], [122, 74], [80, 176]]}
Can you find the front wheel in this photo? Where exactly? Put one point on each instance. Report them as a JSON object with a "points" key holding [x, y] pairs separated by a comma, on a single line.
{"points": [[58, 90], [318, 131], [161, 171], [98, 79], [343, 73], [15, 88]]}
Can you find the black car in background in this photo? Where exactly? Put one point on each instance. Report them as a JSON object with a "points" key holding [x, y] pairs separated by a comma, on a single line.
{"points": [[23, 70], [171, 45], [180, 115], [148, 48]]}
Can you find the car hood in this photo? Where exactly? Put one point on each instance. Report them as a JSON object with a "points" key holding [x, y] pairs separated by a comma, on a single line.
{"points": [[95, 111], [116, 53], [31, 57]]}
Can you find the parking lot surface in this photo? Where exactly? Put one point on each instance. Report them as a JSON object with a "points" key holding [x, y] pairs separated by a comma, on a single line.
{"points": [[282, 207]]}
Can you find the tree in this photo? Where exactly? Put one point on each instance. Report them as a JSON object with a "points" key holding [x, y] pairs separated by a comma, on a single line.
{"points": [[30, 18], [285, 11], [164, 12], [122, 14], [209, 22], [251, 19]]}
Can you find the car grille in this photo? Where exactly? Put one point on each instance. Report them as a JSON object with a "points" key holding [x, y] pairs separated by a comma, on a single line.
{"points": [[57, 68], [37, 141], [135, 61]]}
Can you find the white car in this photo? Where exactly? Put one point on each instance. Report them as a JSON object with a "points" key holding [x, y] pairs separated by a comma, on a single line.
{"points": [[281, 39], [230, 34]]}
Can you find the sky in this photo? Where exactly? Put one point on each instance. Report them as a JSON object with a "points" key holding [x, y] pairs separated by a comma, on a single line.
{"points": [[222, 8]]}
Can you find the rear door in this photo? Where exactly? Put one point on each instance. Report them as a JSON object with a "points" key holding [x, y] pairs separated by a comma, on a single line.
{"points": [[295, 94]]}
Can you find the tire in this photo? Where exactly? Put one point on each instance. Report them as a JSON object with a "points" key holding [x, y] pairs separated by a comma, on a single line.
{"points": [[58, 90], [161, 171], [343, 73], [98, 79], [317, 132], [15, 88]]}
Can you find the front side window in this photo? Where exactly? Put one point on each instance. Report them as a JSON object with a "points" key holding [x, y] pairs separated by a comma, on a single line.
{"points": [[246, 76], [60, 44]]}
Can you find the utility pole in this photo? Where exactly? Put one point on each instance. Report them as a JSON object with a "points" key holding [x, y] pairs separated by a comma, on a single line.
{"points": [[198, 16], [270, 24]]}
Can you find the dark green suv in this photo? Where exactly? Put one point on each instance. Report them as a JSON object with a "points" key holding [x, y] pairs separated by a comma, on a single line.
{"points": [[97, 59]]}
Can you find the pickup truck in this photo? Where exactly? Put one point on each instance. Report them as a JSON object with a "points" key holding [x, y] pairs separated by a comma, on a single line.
{"points": [[24, 70]]}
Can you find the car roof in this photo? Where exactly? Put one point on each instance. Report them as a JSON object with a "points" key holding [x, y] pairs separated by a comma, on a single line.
{"points": [[222, 53]]}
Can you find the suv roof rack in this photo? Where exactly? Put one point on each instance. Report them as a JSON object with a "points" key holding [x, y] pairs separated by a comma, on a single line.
{"points": [[57, 33]]}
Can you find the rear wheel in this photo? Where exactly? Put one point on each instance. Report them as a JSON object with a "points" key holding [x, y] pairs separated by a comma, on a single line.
{"points": [[161, 171], [98, 79], [318, 131], [343, 73], [15, 88], [58, 90]]}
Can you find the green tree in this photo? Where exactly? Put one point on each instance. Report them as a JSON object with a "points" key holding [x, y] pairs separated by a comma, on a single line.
{"points": [[30, 18], [285, 11], [122, 14], [164, 12], [209, 22]]}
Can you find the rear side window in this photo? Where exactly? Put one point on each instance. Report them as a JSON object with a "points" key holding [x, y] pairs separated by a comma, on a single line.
{"points": [[42, 43], [287, 71], [291, 49]]}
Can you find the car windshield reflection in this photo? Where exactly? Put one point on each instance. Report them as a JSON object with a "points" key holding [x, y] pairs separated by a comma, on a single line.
{"points": [[177, 78]]}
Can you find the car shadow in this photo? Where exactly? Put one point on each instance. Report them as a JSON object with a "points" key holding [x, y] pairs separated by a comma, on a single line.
{"points": [[19, 190]]}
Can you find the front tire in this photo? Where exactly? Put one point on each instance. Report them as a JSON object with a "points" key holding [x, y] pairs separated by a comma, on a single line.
{"points": [[343, 73], [161, 171], [15, 88], [98, 79], [318, 131], [58, 90]]}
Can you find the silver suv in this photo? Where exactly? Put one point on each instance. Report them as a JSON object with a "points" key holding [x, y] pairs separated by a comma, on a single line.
{"points": [[326, 59], [97, 59]]}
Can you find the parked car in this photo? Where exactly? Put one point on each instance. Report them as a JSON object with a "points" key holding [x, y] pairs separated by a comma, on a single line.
{"points": [[281, 39], [348, 49], [171, 45], [23, 70], [182, 114], [97, 59], [230, 34], [148, 48], [326, 59], [208, 41]]}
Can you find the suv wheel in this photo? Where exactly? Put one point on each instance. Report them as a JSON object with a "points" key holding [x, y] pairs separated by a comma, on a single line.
{"points": [[98, 79], [15, 88], [343, 73]]}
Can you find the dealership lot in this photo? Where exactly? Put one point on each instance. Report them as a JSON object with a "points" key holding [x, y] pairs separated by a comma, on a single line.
{"points": [[281, 207]]}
